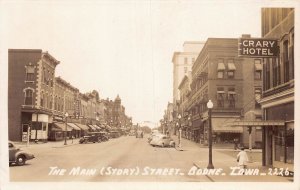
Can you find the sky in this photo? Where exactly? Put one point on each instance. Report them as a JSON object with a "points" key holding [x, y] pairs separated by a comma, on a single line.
{"points": [[123, 47]]}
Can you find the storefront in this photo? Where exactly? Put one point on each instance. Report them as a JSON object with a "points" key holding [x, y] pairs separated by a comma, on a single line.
{"points": [[224, 132]]}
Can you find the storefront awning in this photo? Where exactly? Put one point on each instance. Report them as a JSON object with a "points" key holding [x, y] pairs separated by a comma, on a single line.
{"points": [[221, 125], [221, 66], [83, 127], [63, 126], [96, 127], [258, 123], [92, 127], [75, 127], [231, 67]]}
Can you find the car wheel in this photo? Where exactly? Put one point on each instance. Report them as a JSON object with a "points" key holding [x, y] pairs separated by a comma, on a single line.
{"points": [[21, 160], [162, 145]]}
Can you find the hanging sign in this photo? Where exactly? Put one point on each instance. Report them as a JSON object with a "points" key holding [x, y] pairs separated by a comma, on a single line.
{"points": [[257, 47]]}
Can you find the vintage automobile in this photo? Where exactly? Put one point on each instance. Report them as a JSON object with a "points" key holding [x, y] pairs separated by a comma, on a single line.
{"points": [[114, 134], [17, 155], [94, 137], [162, 141]]}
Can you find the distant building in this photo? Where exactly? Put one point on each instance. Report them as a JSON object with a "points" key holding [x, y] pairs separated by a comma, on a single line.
{"points": [[182, 64], [278, 96]]}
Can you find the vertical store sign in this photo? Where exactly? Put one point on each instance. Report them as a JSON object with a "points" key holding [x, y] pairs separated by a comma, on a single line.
{"points": [[257, 47]]}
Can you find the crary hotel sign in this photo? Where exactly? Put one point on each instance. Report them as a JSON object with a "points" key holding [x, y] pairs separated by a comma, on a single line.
{"points": [[257, 47]]}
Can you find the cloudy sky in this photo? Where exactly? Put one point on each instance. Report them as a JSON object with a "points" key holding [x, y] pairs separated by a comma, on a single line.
{"points": [[123, 47]]}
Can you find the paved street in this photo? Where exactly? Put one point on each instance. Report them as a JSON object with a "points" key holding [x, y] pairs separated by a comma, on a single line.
{"points": [[129, 154]]}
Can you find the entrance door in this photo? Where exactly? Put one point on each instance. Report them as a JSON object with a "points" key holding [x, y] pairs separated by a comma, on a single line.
{"points": [[25, 134]]}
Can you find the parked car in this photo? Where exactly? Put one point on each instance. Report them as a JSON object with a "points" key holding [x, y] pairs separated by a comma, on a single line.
{"points": [[114, 134], [153, 135], [17, 155], [93, 137], [162, 141]]}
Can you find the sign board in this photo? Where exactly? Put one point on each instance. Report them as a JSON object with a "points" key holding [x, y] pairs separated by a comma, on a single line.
{"points": [[257, 47]]}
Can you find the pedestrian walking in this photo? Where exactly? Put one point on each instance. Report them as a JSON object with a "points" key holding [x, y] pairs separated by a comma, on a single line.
{"points": [[242, 159], [235, 143]]}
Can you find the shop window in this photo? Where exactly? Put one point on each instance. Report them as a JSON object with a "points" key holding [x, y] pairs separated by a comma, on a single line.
{"points": [[28, 97], [30, 73], [279, 143], [290, 143]]}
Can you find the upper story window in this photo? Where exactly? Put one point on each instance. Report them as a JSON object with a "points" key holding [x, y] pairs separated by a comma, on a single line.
{"points": [[29, 72], [221, 68], [185, 69], [257, 69], [257, 94], [231, 97], [286, 61], [193, 60], [42, 99], [28, 97], [231, 69], [220, 97], [185, 60], [291, 56]]}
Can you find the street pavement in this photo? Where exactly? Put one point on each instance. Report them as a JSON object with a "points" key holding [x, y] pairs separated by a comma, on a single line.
{"points": [[130, 159]]}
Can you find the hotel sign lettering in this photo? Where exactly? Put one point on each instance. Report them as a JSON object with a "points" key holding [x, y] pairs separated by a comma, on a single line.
{"points": [[257, 47]]}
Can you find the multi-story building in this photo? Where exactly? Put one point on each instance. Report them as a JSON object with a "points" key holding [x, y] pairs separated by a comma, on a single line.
{"points": [[48, 107], [31, 93], [182, 64], [278, 88], [219, 75], [185, 92]]}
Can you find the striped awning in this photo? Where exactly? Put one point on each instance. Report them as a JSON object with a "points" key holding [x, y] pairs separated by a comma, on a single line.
{"points": [[92, 127], [75, 127], [83, 127], [63, 126]]}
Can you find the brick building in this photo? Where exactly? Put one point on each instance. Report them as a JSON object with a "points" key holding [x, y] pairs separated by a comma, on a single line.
{"points": [[219, 75], [278, 93], [31, 93]]}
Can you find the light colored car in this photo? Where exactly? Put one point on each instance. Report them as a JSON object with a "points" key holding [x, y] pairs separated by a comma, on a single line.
{"points": [[153, 135], [162, 141], [17, 155]]}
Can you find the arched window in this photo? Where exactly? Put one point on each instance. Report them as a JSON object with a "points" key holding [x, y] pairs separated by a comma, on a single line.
{"points": [[28, 97], [42, 99]]}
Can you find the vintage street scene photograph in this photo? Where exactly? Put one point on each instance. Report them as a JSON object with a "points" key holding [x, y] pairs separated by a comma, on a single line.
{"points": [[148, 91]]}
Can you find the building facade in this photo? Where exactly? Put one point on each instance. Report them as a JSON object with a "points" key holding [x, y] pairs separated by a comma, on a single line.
{"points": [[43, 107], [31, 93], [219, 75], [278, 88]]}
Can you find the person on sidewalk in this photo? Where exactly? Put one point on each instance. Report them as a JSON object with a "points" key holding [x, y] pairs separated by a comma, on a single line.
{"points": [[242, 159]]}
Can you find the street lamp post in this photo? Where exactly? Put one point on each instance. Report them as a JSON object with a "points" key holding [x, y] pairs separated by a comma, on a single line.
{"points": [[210, 164], [179, 135], [66, 116]]}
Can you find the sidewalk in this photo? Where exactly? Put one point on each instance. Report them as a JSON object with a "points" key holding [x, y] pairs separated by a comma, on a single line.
{"points": [[49, 144], [225, 159]]}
